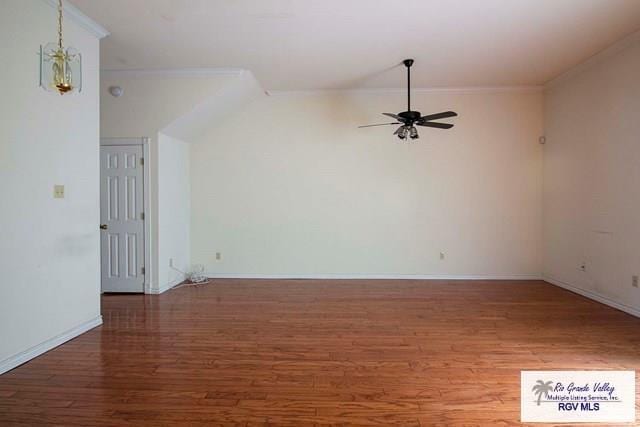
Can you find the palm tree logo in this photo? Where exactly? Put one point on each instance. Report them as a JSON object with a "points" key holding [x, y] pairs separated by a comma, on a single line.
{"points": [[542, 388]]}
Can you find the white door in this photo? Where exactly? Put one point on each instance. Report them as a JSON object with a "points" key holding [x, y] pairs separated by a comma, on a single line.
{"points": [[122, 218]]}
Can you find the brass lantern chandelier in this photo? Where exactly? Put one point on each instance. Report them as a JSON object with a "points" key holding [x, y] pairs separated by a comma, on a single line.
{"points": [[60, 67]]}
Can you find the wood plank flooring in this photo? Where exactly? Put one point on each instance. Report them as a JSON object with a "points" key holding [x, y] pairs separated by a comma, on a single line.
{"points": [[298, 353]]}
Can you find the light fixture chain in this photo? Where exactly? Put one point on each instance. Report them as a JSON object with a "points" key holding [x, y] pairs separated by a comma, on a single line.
{"points": [[60, 24]]}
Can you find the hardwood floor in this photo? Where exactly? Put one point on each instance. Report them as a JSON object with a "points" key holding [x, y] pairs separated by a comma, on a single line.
{"points": [[297, 353]]}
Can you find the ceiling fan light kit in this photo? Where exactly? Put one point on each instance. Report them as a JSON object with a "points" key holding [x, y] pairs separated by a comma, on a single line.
{"points": [[410, 119]]}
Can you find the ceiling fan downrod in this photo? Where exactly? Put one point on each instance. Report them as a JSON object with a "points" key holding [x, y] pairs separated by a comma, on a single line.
{"points": [[408, 63]]}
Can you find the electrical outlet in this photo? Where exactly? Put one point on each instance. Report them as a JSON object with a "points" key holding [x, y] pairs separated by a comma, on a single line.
{"points": [[218, 256], [583, 267], [441, 255], [634, 281], [58, 191]]}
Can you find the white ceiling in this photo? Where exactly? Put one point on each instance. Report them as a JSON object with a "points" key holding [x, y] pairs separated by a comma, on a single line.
{"points": [[318, 44]]}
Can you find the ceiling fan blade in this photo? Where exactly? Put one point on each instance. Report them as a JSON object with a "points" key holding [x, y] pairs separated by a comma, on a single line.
{"points": [[435, 125], [395, 116], [379, 124], [437, 116]]}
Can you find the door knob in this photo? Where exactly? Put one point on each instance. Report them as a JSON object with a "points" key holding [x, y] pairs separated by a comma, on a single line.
{"points": [[103, 226]]}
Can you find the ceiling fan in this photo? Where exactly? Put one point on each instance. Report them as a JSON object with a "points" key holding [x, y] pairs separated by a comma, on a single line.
{"points": [[410, 119]]}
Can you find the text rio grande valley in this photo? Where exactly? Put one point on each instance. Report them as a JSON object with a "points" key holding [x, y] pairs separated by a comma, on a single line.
{"points": [[587, 397]]}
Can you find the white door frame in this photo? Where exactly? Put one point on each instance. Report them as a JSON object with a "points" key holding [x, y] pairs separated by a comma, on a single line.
{"points": [[146, 173]]}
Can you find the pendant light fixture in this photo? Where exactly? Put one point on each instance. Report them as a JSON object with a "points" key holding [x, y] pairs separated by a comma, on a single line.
{"points": [[60, 67]]}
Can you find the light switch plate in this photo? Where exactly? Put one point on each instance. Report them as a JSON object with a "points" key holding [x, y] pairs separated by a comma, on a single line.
{"points": [[58, 191]]}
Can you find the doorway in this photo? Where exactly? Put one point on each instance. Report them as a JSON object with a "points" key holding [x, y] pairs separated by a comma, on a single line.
{"points": [[124, 237]]}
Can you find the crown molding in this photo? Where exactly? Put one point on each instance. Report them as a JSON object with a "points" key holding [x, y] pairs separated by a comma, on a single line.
{"points": [[461, 89], [618, 46], [175, 72], [73, 13]]}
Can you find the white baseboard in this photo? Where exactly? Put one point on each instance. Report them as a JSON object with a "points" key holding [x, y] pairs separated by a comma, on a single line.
{"points": [[376, 276], [22, 357], [161, 290], [164, 288], [593, 295]]}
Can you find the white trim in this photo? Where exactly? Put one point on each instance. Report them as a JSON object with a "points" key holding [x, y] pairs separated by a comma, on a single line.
{"points": [[461, 89], [146, 198], [165, 287], [618, 46], [123, 141], [239, 72], [73, 13], [173, 72], [35, 351], [375, 276], [593, 295], [148, 214]]}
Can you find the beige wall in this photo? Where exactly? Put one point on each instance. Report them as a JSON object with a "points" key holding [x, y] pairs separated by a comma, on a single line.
{"points": [[592, 178], [151, 103], [290, 187], [49, 248], [174, 209]]}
